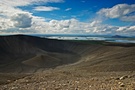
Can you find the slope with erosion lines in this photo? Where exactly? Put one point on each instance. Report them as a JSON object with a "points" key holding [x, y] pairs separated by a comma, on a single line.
{"points": [[21, 53]]}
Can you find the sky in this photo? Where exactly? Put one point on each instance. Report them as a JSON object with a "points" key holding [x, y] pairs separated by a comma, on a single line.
{"points": [[67, 17]]}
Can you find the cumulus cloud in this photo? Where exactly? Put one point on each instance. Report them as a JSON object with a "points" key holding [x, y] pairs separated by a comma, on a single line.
{"points": [[126, 30], [7, 11], [4, 25], [17, 18], [22, 20], [128, 18], [71, 26], [74, 26], [121, 11], [44, 8]]}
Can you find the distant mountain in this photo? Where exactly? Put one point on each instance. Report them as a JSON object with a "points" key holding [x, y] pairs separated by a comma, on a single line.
{"points": [[119, 36]]}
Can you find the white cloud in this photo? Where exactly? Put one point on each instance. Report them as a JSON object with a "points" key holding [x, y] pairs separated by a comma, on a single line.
{"points": [[124, 12], [44, 8], [4, 25], [22, 20], [15, 18], [73, 26], [9, 7], [39, 25], [16, 3], [8, 11], [128, 18], [119, 11], [68, 9], [126, 30]]}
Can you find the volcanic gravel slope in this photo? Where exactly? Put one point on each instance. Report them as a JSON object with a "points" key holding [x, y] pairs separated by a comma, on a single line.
{"points": [[61, 64]]}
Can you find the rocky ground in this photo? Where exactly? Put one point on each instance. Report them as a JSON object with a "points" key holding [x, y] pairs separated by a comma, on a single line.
{"points": [[71, 80], [32, 63]]}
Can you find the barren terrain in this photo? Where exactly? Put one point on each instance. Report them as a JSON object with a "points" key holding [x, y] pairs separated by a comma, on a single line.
{"points": [[33, 63]]}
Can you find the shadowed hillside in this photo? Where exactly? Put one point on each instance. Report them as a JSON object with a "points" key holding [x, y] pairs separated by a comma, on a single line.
{"points": [[20, 53]]}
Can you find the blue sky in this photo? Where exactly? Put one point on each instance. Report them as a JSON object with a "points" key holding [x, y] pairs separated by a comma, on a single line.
{"points": [[66, 16], [84, 10]]}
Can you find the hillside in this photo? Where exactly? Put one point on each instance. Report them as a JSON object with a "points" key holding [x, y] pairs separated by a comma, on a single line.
{"points": [[23, 55]]}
